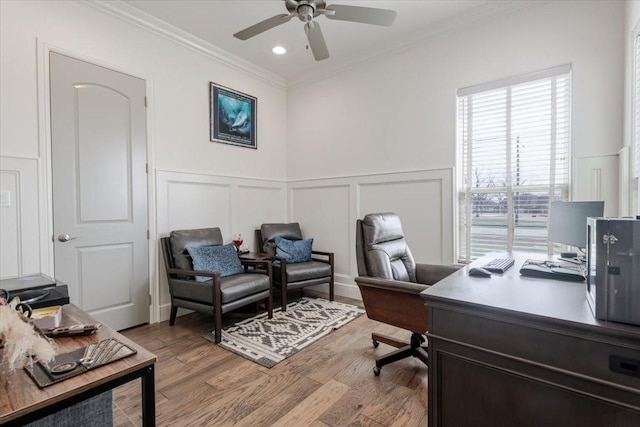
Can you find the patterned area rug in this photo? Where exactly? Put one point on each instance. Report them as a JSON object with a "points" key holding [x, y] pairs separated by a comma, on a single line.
{"points": [[269, 341]]}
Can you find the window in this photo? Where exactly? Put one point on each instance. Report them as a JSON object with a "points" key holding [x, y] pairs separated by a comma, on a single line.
{"points": [[513, 148]]}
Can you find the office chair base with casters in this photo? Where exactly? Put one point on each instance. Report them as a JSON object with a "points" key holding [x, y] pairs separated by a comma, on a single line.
{"points": [[405, 349]]}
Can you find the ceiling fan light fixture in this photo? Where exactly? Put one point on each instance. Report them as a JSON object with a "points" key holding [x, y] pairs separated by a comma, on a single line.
{"points": [[279, 50], [305, 12]]}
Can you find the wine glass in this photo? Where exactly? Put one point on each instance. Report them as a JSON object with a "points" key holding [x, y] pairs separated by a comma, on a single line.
{"points": [[237, 242]]}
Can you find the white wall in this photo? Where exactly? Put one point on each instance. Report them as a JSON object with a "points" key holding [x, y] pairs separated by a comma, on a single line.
{"points": [[178, 126], [631, 30], [179, 88], [381, 135], [398, 113]]}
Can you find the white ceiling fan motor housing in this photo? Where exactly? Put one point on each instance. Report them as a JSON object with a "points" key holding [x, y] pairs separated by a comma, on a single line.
{"points": [[305, 9]]}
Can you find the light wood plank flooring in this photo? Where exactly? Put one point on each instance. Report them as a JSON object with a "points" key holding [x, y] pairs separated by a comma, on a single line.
{"points": [[330, 383]]}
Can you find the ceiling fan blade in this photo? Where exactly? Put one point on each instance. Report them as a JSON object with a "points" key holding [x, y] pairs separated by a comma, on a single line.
{"points": [[363, 15], [263, 26], [316, 41]]}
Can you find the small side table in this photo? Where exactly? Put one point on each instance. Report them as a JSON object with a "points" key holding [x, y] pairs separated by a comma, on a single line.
{"points": [[254, 256]]}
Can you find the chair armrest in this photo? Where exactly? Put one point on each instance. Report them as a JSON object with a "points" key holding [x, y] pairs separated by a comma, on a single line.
{"points": [[212, 274], [322, 253], [429, 274], [215, 282], [281, 260], [390, 285], [329, 256]]}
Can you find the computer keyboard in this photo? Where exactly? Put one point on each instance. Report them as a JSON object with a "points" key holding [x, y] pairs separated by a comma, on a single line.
{"points": [[499, 265]]}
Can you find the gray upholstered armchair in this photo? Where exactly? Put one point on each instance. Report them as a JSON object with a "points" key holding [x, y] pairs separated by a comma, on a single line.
{"points": [[289, 276], [390, 283], [214, 294]]}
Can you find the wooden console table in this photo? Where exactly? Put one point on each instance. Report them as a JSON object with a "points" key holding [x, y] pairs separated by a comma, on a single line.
{"points": [[518, 351], [22, 401]]}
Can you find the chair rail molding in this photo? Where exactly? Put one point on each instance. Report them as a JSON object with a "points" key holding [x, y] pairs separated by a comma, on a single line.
{"points": [[20, 219], [596, 178]]}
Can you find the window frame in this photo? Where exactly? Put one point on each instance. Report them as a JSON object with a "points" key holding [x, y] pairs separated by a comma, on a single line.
{"points": [[635, 121], [636, 107], [464, 193]]}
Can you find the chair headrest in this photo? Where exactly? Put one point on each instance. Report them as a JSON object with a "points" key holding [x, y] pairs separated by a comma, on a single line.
{"points": [[180, 239], [381, 227], [289, 231], [269, 232]]}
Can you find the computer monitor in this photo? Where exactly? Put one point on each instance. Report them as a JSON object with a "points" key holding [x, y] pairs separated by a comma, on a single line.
{"points": [[568, 222]]}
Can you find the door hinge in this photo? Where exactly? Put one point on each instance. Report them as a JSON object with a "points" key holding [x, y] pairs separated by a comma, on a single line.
{"points": [[148, 235], [149, 299], [145, 101], [146, 167]]}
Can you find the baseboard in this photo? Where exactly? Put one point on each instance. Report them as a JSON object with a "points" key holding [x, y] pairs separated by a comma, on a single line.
{"points": [[341, 289], [165, 312]]}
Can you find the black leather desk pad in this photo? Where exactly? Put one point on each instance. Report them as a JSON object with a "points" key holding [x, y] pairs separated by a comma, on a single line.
{"points": [[42, 375]]}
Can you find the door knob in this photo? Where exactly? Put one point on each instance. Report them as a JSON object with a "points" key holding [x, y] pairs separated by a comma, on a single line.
{"points": [[65, 238]]}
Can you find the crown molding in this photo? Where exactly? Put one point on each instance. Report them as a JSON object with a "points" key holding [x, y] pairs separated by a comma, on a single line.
{"points": [[150, 23], [473, 17]]}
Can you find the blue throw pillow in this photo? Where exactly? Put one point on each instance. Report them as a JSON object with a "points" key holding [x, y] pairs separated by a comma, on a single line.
{"points": [[223, 259], [293, 251]]}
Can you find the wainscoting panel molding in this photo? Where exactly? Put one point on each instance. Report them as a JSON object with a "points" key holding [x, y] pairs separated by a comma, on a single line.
{"points": [[625, 180], [596, 178], [236, 205], [323, 213], [19, 217], [327, 210]]}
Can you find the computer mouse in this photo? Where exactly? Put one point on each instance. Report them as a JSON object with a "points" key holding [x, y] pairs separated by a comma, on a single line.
{"points": [[479, 272]]}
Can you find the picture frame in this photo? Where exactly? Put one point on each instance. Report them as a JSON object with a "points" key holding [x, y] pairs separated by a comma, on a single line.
{"points": [[232, 116]]}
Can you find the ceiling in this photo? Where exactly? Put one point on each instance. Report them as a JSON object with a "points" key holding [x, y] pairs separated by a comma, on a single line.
{"points": [[216, 21]]}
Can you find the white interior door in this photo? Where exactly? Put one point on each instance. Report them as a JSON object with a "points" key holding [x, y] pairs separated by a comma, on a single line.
{"points": [[98, 151]]}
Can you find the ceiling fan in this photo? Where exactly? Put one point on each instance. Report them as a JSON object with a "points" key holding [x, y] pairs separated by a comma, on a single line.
{"points": [[306, 10]]}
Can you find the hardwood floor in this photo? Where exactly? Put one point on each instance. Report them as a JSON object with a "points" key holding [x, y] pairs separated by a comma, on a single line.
{"points": [[330, 383]]}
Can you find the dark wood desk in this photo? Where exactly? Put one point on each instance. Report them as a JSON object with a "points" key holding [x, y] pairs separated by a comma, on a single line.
{"points": [[517, 351], [22, 401]]}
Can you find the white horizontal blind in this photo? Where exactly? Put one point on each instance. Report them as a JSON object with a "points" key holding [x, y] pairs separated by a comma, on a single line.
{"points": [[636, 109], [514, 156]]}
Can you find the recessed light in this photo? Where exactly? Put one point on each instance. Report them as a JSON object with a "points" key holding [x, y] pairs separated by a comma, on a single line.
{"points": [[279, 50]]}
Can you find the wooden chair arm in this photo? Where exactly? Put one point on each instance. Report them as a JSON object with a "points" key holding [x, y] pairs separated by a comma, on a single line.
{"points": [[177, 271], [215, 288], [314, 252], [329, 256], [281, 260]]}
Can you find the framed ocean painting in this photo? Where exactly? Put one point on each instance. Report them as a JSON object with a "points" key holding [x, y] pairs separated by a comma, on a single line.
{"points": [[232, 117]]}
